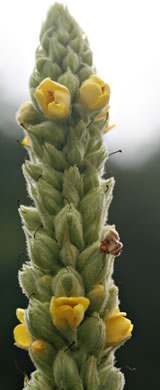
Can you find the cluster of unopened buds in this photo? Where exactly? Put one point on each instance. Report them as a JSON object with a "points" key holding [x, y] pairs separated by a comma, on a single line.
{"points": [[111, 243]]}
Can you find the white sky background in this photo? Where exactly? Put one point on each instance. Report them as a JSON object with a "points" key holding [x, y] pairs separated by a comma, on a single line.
{"points": [[124, 36]]}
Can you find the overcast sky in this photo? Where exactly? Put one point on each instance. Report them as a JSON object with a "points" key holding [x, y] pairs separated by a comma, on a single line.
{"points": [[124, 37]]}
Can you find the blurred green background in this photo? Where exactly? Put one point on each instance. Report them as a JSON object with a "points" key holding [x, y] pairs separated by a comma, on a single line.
{"points": [[135, 211]]}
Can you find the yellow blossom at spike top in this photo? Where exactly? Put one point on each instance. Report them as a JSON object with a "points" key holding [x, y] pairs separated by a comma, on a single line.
{"points": [[118, 328], [94, 93], [53, 98], [68, 311], [20, 332]]}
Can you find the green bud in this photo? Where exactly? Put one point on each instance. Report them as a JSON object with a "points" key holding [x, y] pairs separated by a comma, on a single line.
{"points": [[96, 159], [26, 280], [86, 254], [44, 252], [69, 80], [91, 205], [68, 225], [71, 61], [28, 115], [30, 218], [74, 149], [90, 178], [76, 44], [72, 185], [43, 355], [46, 218], [47, 69], [53, 177], [65, 372], [94, 271], [48, 195], [33, 170], [36, 142], [67, 283], [97, 296], [57, 50], [90, 374], [68, 254], [111, 379], [55, 157], [85, 72], [91, 334], [39, 382], [111, 303], [44, 287], [40, 325], [50, 132]]}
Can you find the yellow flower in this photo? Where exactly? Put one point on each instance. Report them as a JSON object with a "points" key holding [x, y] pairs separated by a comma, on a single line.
{"points": [[54, 99], [20, 332], [118, 328], [25, 141], [69, 311], [95, 93]]}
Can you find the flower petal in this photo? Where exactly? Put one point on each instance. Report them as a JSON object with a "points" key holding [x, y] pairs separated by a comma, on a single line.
{"points": [[22, 336]]}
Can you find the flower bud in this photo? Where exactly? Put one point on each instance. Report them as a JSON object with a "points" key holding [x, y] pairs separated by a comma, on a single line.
{"points": [[33, 170], [68, 254], [26, 280], [111, 379], [74, 149], [90, 374], [70, 81], [43, 355], [49, 196], [95, 269], [28, 115], [30, 217], [97, 297], [44, 289], [68, 226], [67, 283], [44, 252], [72, 185], [65, 372], [53, 99], [55, 157], [91, 334]]}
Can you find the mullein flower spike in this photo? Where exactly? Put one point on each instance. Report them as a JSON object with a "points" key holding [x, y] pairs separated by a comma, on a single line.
{"points": [[73, 320]]}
